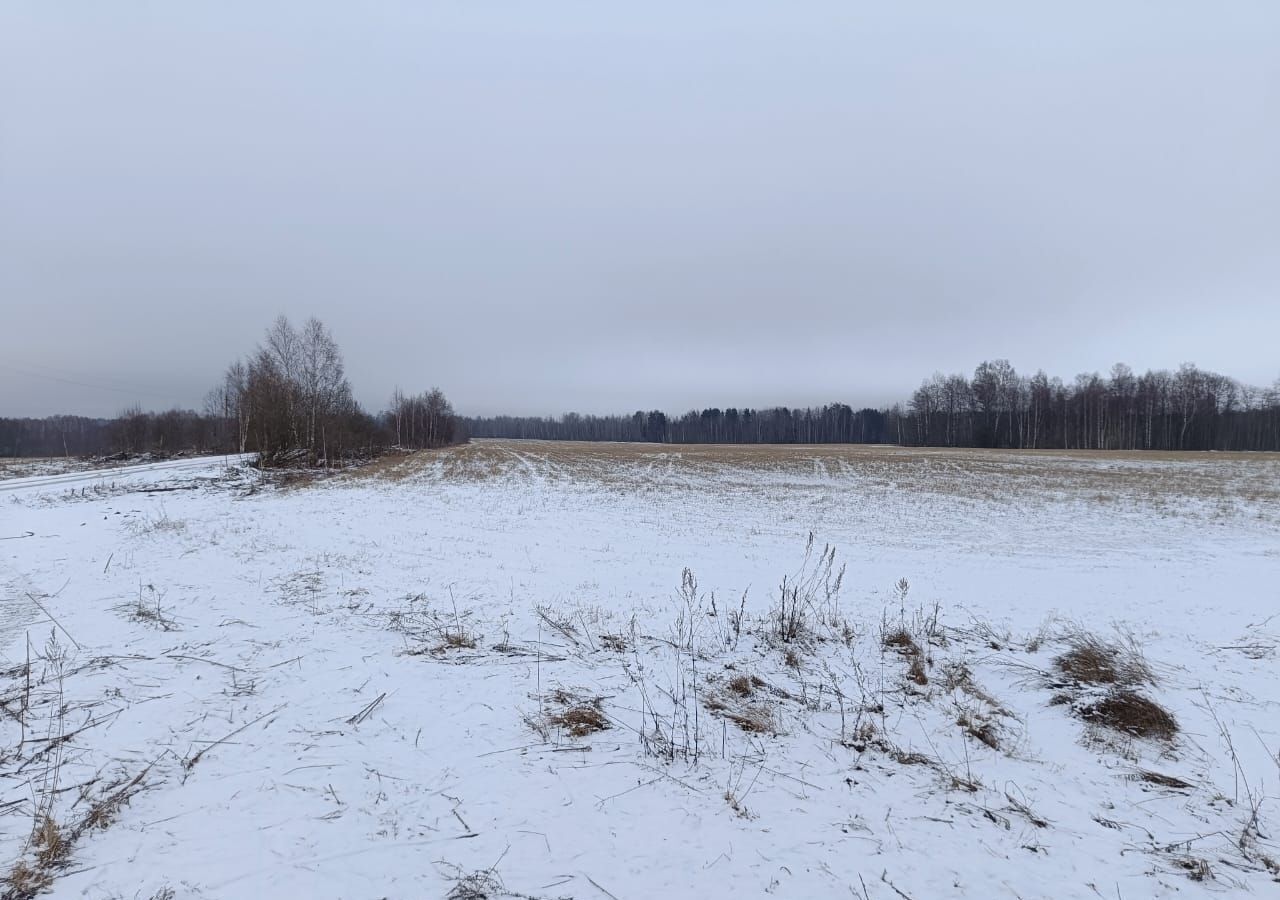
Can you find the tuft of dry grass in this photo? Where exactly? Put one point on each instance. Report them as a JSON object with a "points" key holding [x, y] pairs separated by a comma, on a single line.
{"points": [[741, 701], [581, 720], [901, 640], [25, 881], [477, 886], [147, 608], [1101, 682], [49, 843], [578, 716], [615, 642], [52, 843], [1091, 660], [736, 805], [1129, 712], [745, 685], [52, 848], [754, 719], [152, 616], [1197, 869], [457, 640], [978, 729], [910, 758]]}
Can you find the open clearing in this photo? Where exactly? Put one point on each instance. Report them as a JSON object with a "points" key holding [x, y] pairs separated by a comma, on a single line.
{"points": [[574, 670]]}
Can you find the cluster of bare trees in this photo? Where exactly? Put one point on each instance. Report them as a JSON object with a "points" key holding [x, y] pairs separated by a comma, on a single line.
{"points": [[424, 420], [1190, 409], [835, 423], [290, 401], [292, 398]]}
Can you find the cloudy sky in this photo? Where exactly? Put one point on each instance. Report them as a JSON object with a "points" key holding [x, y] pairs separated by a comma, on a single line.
{"points": [[582, 205]]}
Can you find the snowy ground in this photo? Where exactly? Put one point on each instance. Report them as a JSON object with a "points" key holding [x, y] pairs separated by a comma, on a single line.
{"points": [[389, 684], [45, 472]]}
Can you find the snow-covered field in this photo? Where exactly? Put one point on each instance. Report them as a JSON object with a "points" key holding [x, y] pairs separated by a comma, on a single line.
{"points": [[485, 672]]}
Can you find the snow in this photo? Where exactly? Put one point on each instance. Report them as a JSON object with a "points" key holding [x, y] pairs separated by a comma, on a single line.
{"points": [[277, 661], [42, 474]]}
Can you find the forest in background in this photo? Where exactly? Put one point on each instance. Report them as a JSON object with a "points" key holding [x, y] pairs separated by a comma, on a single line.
{"points": [[1188, 409], [291, 400]]}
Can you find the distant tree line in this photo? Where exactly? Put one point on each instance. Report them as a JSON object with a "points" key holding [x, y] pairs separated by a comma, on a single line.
{"points": [[288, 401], [292, 398], [835, 423], [133, 431], [1189, 409]]}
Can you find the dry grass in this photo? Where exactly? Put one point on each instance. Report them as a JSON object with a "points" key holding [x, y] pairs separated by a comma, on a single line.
{"points": [[51, 847], [1146, 479], [958, 677], [744, 685], [754, 719], [979, 729], [477, 886], [1101, 682], [1159, 778], [25, 881], [736, 805], [457, 640], [1131, 713], [910, 758], [615, 642], [570, 713], [1092, 660], [52, 843], [739, 701], [1197, 869], [148, 610], [393, 465], [901, 640], [581, 720]]}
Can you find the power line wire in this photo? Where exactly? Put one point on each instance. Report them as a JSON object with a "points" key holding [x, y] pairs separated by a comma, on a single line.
{"points": [[96, 387], [59, 372]]}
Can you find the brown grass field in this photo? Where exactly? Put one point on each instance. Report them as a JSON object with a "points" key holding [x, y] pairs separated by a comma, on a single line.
{"points": [[1226, 481]]}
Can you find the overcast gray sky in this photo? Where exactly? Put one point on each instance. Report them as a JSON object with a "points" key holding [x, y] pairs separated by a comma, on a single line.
{"points": [[553, 205]]}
